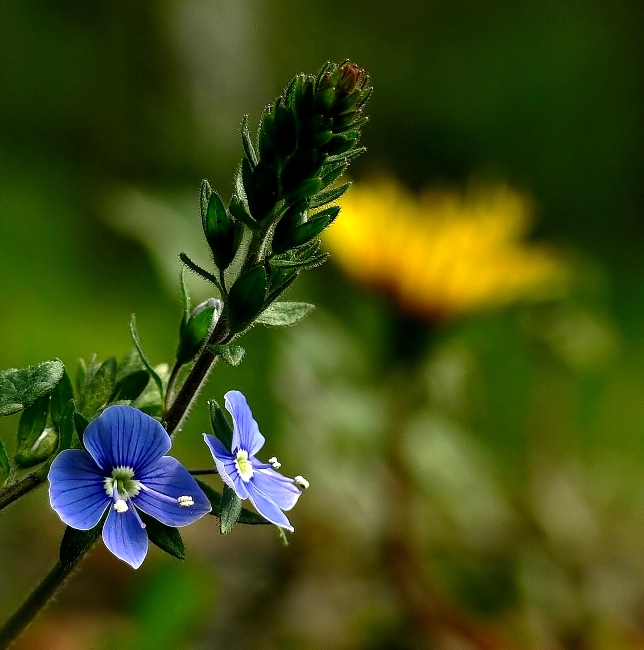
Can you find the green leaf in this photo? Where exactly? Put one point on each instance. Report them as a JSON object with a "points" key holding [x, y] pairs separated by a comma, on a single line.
{"points": [[130, 387], [247, 143], [67, 428], [231, 354], [76, 543], [194, 333], [231, 506], [60, 397], [81, 423], [35, 442], [167, 538], [220, 425], [99, 387], [198, 270], [204, 197], [328, 195], [303, 265], [21, 388], [246, 298], [284, 313], [218, 228], [144, 359], [185, 296], [245, 516], [5, 465]]}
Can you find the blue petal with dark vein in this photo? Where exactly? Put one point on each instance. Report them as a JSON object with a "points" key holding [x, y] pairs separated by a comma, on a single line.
{"points": [[267, 508], [76, 489], [123, 436], [123, 536], [246, 433], [225, 463], [171, 478], [279, 489]]}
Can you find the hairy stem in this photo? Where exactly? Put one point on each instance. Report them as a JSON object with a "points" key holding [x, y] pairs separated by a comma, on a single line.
{"points": [[37, 600], [19, 488]]}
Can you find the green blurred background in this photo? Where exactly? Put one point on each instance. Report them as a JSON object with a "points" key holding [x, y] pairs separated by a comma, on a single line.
{"points": [[517, 517]]}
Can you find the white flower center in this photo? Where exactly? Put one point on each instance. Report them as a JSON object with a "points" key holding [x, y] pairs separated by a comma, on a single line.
{"points": [[243, 465], [123, 480], [186, 501]]}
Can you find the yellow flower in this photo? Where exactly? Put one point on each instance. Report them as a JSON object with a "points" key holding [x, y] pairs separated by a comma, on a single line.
{"points": [[444, 254]]}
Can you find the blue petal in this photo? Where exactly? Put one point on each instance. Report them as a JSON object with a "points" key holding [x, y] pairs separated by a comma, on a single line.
{"points": [[171, 478], [267, 508], [279, 489], [123, 535], [125, 437], [226, 467], [76, 490], [246, 433]]}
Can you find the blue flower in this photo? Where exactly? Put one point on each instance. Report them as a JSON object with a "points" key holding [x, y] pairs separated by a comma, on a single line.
{"points": [[269, 491], [127, 469]]}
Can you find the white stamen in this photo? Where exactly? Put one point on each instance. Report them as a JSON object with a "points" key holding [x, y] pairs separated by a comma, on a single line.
{"points": [[300, 483], [244, 466], [274, 463], [186, 501], [120, 506]]}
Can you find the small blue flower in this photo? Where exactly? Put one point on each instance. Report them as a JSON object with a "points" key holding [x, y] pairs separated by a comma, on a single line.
{"points": [[126, 466], [269, 491]]}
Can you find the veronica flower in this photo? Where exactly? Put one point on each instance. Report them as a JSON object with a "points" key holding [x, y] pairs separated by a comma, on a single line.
{"points": [[125, 470], [269, 491]]}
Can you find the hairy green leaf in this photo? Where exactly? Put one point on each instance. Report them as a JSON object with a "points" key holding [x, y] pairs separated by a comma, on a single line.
{"points": [[220, 425], [144, 359], [231, 506], [21, 388], [231, 354], [284, 313]]}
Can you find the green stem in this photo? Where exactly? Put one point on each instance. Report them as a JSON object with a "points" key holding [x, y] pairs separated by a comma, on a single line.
{"points": [[19, 488], [38, 600]]}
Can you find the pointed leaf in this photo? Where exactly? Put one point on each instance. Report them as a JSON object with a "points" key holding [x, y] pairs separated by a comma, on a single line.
{"points": [[34, 440], [198, 270], [130, 387], [144, 359], [328, 195], [220, 425], [231, 506], [99, 387], [247, 143], [76, 543], [246, 298], [204, 197], [231, 354], [167, 538], [185, 296], [60, 397], [21, 388], [67, 428], [284, 313]]}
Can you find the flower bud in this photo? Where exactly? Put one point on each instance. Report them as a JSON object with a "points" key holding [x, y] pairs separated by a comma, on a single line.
{"points": [[195, 331]]}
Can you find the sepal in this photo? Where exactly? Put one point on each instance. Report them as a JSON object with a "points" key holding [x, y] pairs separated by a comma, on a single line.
{"points": [[246, 298], [36, 442]]}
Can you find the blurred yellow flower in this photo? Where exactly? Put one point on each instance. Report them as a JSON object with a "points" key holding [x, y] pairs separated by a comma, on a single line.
{"points": [[443, 254]]}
